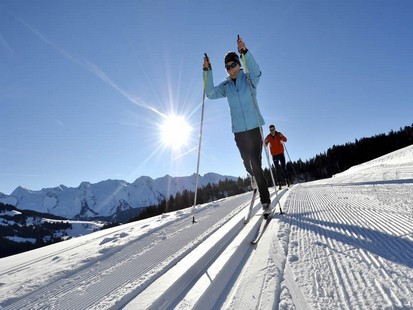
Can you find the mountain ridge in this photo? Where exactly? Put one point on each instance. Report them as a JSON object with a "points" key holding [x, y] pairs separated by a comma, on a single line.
{"points": [[107, 198]]}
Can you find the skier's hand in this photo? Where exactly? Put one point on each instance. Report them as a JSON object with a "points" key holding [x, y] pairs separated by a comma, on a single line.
{"points": [[207, 63], [241, 46]]}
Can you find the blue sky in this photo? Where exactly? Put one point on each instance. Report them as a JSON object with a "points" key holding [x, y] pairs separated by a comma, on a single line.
{"points": [[86, 85]]}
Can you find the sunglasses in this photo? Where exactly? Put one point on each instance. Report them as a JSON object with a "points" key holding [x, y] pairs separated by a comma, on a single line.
{"points": [[229, 67]]}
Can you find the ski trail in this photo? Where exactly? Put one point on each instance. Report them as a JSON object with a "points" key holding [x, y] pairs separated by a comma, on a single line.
{"points": [[267, 280], [290, 295], [221, 276], [119, 273], [357, 245]]}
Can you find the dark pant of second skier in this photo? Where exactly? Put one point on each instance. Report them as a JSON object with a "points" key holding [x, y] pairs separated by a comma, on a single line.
{"points": [[279, 164], [249, 144]]}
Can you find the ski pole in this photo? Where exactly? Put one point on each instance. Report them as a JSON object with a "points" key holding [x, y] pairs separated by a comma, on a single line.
{"points": [[254, 98], [289, 158], [199, 146]]}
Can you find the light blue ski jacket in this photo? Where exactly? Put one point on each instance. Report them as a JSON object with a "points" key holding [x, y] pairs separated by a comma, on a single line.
{"points": [[241, 103]]}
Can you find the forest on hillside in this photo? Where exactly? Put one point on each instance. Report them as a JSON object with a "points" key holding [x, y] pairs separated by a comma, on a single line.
{"points": [[24, 230], [339, 158]]}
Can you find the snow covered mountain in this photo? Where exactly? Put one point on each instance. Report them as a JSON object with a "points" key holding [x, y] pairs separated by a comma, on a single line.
{"points": [[107, 198]]}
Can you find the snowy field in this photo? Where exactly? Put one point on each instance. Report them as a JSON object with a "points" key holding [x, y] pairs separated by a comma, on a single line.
{"points": [[344, 243]]}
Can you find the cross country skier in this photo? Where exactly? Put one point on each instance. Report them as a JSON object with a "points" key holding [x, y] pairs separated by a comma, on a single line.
{"points": [[275, 139], [244, 113]]}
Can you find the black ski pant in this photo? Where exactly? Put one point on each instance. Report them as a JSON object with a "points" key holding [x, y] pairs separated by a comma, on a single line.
{"points": [[279, 162], [249, 144]]}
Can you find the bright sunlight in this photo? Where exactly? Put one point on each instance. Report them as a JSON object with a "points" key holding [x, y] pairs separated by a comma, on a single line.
{"points": [[175, 131]]}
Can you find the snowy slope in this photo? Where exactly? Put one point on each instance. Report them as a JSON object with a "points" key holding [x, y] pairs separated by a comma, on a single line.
{"points": [[345, 243]]}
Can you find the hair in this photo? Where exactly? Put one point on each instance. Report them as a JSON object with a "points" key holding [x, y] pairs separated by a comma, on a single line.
{"points": [[232, 56]]}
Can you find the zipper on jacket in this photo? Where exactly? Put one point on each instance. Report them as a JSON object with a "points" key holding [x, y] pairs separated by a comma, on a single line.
{"points": [[242, 110]]}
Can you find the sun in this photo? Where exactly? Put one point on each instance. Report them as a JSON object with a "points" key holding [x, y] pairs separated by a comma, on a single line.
{"points": [[175, 131]]}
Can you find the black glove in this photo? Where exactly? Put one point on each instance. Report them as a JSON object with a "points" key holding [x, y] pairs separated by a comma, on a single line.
{"points": [[207, 64]]}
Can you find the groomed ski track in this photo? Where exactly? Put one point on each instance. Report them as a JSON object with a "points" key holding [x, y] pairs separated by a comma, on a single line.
{"points": [[339, 246], [120, 276]]}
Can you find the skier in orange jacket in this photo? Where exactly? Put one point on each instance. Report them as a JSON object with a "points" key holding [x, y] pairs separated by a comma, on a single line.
{"points": [[275, 139]]}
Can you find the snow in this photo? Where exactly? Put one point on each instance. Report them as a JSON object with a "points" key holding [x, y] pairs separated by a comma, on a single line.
{"points": [[10, 213], [344, 243], [19, 239], [76, 229], [79, 228]]}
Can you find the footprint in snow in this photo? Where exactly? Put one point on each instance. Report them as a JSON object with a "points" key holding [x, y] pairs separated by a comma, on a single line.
{"points": [[106, 240]]}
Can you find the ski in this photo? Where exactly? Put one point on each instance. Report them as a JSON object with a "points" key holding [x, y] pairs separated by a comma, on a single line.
{"points": [[265, 222], [266, 218], [248, 215]]}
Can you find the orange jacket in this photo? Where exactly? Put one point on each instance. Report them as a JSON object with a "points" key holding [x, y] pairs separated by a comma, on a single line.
{"points": [[276, 146]]}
